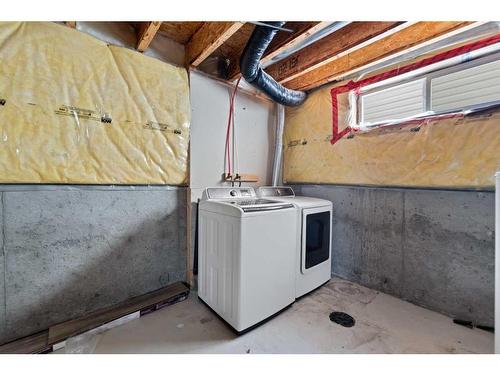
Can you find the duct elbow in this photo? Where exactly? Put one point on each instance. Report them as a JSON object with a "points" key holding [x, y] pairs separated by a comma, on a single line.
{"points": [[253, 73]]}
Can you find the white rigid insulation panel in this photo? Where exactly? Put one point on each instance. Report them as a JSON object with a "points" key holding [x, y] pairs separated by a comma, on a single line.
{"points": [[466, 88], [393, 103]]}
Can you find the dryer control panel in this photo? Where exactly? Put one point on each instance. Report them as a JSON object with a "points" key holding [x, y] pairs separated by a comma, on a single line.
{"points": [[275, 191]]}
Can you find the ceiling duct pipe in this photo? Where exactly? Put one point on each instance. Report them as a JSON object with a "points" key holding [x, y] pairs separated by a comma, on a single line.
{"points": [[254, 74]]}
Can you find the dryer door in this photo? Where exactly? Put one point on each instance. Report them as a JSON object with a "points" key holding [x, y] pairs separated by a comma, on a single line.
{"points": [[316, 237]]}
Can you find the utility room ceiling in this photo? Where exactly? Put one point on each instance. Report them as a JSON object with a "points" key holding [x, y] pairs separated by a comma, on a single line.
{"points": [[216, 47]]}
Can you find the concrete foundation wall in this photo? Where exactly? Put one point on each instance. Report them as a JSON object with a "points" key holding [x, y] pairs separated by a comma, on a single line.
{"points": [[433, 248], [67, 252]]}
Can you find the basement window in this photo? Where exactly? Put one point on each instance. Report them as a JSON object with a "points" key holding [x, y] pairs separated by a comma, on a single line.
{"points": [[466, 86], [394, 103]]}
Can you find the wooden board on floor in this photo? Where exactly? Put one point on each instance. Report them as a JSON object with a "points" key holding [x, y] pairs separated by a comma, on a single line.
{"points": [[42, 341], [62, 331], [37, 343]]}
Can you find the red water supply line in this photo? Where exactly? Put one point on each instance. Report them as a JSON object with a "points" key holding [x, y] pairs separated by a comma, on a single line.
{"points": [[230, 121]]}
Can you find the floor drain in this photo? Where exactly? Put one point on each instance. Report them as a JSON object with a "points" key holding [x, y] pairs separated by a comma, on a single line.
{"points": [[342, 318]]}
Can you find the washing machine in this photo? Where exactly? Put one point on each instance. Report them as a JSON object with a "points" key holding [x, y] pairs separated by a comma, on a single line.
{"points": [[313, 237], [246, 255]]}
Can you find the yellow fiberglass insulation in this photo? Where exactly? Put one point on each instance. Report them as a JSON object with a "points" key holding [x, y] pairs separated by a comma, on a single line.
{"points": [[76, 110], [459, 153]]}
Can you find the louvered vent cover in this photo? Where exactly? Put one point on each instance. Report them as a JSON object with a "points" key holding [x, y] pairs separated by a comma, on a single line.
{"points": [[468, 87], [394, 103]]}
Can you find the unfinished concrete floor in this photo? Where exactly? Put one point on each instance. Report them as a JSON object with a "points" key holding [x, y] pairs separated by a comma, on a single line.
{"points": [[384, 324]]}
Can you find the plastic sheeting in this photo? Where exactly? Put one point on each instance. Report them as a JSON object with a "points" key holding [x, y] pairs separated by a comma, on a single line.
{"points": [[79, 111], [438, 153], [445, 154]]}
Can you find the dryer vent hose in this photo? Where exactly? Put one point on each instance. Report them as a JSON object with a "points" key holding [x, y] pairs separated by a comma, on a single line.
{"points": [[254, 74]]}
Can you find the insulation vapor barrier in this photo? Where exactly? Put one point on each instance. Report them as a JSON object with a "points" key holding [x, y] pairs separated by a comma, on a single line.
{"points": [[435, 136], [75, 110]]}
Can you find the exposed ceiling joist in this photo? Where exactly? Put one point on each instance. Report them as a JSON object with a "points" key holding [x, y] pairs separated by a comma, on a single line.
{"points": [[328, 48], [417, 33], [145, 34], [207, 39], [281, 42], [285, 42]]}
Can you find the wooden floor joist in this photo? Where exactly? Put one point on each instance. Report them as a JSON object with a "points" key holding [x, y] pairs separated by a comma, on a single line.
{"points": [[207, 39], [417, 33], [43, 341], [281, 42], [146, 33], [327, 48]]}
